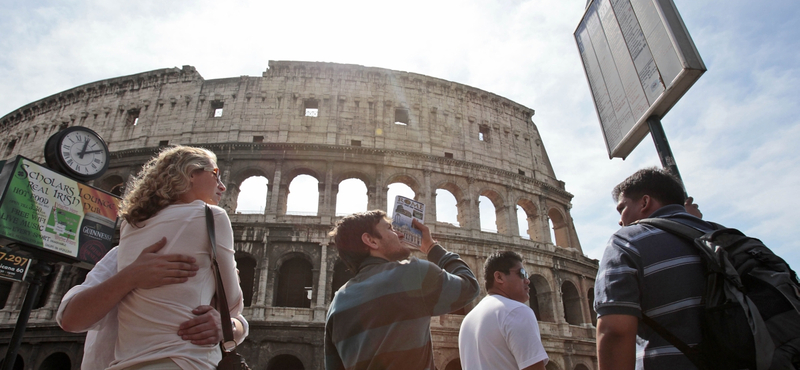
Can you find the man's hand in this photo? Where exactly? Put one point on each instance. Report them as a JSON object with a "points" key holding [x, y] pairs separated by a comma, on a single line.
{"points": [[149, 270], [427, 240], [152, 270], [206, 328], [691, 208]]}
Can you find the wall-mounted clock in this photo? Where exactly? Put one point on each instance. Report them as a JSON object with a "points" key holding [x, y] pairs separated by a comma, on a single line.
{"points": [[77, 152]]}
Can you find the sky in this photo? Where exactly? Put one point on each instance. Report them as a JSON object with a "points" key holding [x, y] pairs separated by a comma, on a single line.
{"points": [[731, 134]]}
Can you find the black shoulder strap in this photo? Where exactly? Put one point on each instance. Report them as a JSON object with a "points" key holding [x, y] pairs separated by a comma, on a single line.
{"points": [[673, 227], [692, 353], [683, 231], [222, 300], [690, 234]]}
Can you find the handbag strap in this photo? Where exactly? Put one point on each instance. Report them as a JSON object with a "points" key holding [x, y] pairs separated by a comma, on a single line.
{"points": [[228, 343]]}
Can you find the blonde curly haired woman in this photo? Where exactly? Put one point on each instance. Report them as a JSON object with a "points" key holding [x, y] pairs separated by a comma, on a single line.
{"points": [[168, 197]]}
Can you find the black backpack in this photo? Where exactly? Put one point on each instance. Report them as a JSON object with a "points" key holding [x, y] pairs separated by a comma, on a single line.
{"points": [[752, 303]]}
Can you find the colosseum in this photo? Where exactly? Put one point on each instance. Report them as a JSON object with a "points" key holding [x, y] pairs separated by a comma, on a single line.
{"points": [[330, 125]]}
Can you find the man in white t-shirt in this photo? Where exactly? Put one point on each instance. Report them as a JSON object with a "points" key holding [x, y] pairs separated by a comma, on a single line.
{"points": [[92, 306], [501, 332]]}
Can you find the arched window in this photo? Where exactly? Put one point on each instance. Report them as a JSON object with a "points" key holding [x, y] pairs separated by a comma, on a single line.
{"points": [[522, 223], [446, 207], [528, 220], [534, 300], [19, 363], [252, 195], [551, 366], [340, 276], [294, 284], [572, 303], [5, 290], [455, 364], [246, 265], [488, 215], [56, 361], [541, 300], [44, 293], [352, 197], [303, 198], [581, 367], [395, 189], [285, 362], [560, 232]]}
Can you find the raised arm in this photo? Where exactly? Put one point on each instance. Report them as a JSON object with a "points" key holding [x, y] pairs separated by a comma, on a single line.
{"points": [[455, 284]]}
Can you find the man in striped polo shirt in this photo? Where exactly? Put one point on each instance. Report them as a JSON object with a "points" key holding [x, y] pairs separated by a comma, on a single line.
{"points": [[645, 270], [380, 319]]}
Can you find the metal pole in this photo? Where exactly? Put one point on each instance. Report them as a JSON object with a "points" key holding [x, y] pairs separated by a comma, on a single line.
{"points": [[662, 147], [40, 271]]}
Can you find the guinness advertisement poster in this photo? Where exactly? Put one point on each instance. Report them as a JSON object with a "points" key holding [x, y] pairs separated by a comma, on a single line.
{"points": [[45, 210]]}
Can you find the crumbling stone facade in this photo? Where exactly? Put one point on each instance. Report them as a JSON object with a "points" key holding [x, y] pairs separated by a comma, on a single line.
{"points": [[332, 122]]}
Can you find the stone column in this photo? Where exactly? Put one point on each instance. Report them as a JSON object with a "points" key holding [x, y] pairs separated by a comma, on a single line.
{"points": [[273, 206], [322, 283], [327, 199], [427, 197]]}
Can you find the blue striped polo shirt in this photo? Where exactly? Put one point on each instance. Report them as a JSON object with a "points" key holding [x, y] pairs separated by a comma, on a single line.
{"points": [[645, 269]]}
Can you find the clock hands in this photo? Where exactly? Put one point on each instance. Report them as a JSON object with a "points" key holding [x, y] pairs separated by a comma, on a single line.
{"points": [[93, 151], [83, 151]]}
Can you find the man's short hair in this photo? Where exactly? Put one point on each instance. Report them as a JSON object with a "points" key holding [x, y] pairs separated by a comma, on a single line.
{"points": [[657, 183], [347, 236], [499, 261]]}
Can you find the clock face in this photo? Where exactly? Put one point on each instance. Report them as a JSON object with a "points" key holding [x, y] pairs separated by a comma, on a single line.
{"points": [[83, 152]]}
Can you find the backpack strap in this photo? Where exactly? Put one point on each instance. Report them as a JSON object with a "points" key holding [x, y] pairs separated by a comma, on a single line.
{"points": [[692, 353], [686, 232], [689, 234], [673, 227]]}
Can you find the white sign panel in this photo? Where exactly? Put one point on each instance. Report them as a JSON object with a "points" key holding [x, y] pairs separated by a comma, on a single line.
{"points": [[639, 60]]}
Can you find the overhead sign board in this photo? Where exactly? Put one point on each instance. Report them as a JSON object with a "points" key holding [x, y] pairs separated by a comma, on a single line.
{"points": [[639, 60], [53, 216]]}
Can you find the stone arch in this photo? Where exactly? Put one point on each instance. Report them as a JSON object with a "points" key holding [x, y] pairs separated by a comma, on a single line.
{"points": [[354, 174], [499, 203], [352, 195], [19, 363], [572, 303], [249, 197], [581, 367], [285, 362], [532, 222], [407, 179], [289, 197], [454, 364], [56, 361], [5, 290], [542, 298], [458, 194], [341, 274], [246, 264], [560, 227], [294, 279], [552, 365], [239, 177]]}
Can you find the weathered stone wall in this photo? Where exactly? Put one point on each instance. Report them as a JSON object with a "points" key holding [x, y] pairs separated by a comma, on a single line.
{"points": [[455, 137]]}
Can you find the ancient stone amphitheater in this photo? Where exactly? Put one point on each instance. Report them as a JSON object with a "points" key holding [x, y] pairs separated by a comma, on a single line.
{"points": [[332, 122]]}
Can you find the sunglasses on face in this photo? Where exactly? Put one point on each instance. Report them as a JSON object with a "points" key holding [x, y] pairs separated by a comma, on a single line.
{"points": [[214, 171], [522, 273]]}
